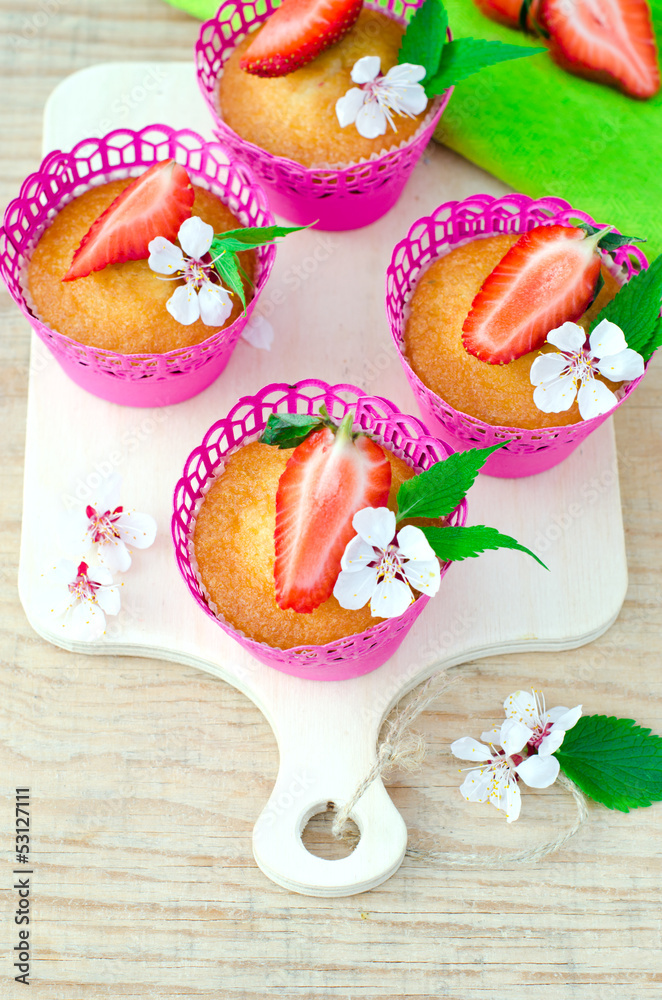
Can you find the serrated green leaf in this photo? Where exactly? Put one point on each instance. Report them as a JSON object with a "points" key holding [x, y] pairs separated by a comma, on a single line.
{"points": [[425, 37], [614, 761], [465, 56], [454, 543], [636, 309], [227, 267], [437, 491], [287, 430], [254, 236]]}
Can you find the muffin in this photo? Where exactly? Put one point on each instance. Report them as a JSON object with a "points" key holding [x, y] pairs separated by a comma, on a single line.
{"points": [[294, 116], [234, 549], [472, 389], [122, 307], [432, 343], [287, 129], [114, 337]]}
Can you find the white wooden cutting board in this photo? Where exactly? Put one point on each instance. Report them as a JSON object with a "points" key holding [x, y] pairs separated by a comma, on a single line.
{"points": [[325, 300]]}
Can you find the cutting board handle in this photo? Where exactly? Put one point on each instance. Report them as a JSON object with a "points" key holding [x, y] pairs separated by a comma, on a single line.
{"points": [[324, 755]]}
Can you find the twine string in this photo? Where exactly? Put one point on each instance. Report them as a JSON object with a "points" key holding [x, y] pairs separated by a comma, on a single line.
{"points": [[400, 748]]}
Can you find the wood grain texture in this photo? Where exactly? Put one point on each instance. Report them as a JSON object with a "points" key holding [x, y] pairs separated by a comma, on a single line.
{"points": [[146, 777]]}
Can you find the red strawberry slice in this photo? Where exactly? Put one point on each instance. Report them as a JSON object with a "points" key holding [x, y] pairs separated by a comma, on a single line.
{"points": [[296, 32], [547, 278], [611, 41], [154, 204], [328, 478]]}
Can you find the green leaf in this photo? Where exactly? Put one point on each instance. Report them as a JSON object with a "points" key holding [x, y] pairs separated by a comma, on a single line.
{"points": [[425, 37], [227, 267], [636, 309], [452, 544], [253, 236], [610, 242], [287, 430], [465, 56], [614, 761], [437, 491]]}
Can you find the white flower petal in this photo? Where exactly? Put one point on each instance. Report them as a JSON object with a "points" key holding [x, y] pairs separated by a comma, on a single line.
{"points": [[538, 772], [390, 598], [622, 367], [556, 396], [258, 332], [348, 107], [565, 718], [547, 367], [371, 120], [165, 257], [357, 555], [594, 399], [52, 600], [514, 736], [136, 529], [511, 801], [491, 736], [412, 99], [607, 338], [195, 237], [521, 705], [74, 533], [183, 305], [423, 574], [569, 337], [475, 785], [108, 599], [354, 590], [114, 556], [375, 525], [99, 575], [405, 73], [87, 622], [551, 743], [412, 544], [366, 69], [467, 748], [215, 304]]}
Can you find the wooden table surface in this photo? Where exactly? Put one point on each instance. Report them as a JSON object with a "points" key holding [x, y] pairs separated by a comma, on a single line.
{"points": [[146, 777]]}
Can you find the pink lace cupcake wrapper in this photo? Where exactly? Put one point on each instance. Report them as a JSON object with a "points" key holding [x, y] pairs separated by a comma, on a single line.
{"points": [[63, 176], [401, 433], [330, 191], [455, 223]]}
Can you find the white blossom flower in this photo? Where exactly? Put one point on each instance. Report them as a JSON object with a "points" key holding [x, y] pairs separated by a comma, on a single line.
{"points": [[529, 728], [371, 105], [382, 567], [560, 377], [79, 598], [107, 528], [199, 297]]}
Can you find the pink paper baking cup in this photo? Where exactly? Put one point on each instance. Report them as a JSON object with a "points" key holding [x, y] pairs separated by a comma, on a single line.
{"points": [[452, 224], [132, 379], [405, 435], [326, 197]]}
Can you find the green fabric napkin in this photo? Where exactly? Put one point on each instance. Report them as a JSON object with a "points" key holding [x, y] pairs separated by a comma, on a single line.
{"points": [[545, 132]]}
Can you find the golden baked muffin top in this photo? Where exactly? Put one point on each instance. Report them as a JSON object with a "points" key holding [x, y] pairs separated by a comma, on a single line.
{"points": [[501, 395], [294, 116], [235, 553], [122, 307]]}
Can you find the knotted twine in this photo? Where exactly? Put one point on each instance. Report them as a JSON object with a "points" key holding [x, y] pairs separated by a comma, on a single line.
{"points": [[403, 750]]}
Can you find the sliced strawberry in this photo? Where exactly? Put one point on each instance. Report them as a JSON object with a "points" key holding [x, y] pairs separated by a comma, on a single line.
{"points": [[154, 204], [509, 12], [547, 277], [296, 32], [611, 41], [328, 478]]}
